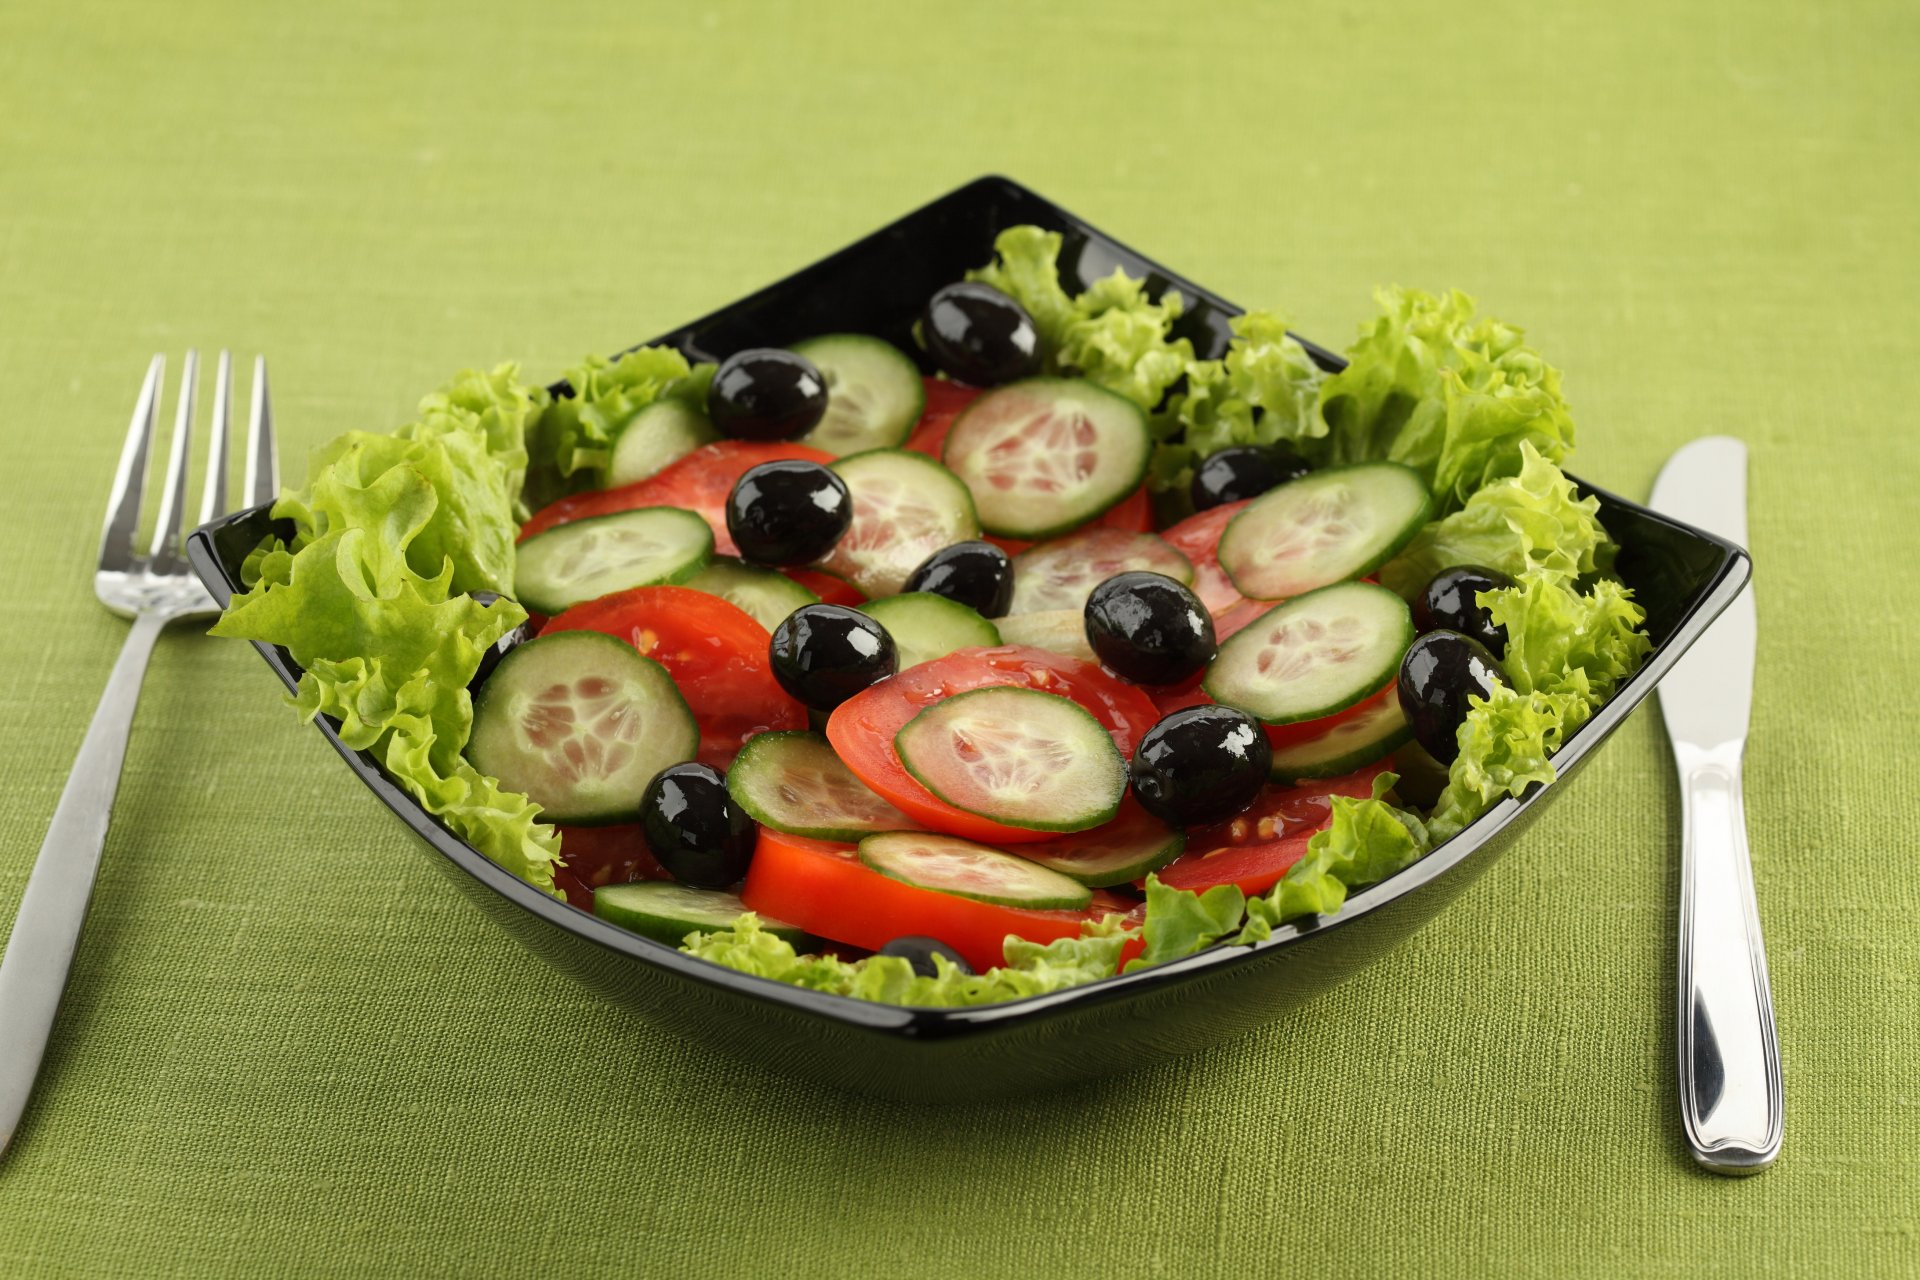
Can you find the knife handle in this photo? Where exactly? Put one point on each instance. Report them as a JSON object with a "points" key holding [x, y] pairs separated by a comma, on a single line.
{"points": [[1731, 1100]]}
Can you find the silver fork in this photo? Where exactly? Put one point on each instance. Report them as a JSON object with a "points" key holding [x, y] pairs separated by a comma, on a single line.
{"points": [[153, 589]]}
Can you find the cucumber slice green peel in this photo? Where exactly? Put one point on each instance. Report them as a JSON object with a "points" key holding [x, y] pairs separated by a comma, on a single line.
{"points": [[925, 626], [1314, 655], [906, 506], [580, 722], [1061, 574], [1019, 757], [767, 594], [669, 912], [793, 782], [1323, 528], [1044, 455], [656, 437], [948, 864], [586, 559], [874, 393], [1357, 740], [1098, 860]]}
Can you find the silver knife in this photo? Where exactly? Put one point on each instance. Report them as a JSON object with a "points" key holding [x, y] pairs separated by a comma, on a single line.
{"points": [[1731, 1102]]}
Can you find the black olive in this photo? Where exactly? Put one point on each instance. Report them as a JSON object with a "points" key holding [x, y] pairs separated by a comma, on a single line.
{"points": [[1149, 628], [788, 512], [919, 953], [765, 393], [1201, 765], [977, 574], [823, 654], [694, 828], [979, 335], [1244, 471], [1440, 672], [1448, 604], [499, 648]]}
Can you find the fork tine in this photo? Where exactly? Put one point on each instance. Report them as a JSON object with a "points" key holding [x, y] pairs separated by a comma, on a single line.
{"points": [[130, 479], [213, 500], [263, 462], [173, 498]]}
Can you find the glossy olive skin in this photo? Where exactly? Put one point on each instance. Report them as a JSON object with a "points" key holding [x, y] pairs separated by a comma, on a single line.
{"points": [[788, 512], [1241, 472], [764, 393], [1149, 628], [694, 828], [823, 654], [919, 953], [1448, 604], [500, 648], [976, 574], [979, 335], [1201, 765], [1441, 671]]}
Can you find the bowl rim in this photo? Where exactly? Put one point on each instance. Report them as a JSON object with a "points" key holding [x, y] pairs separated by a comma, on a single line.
{"points": [[1729, 577]]}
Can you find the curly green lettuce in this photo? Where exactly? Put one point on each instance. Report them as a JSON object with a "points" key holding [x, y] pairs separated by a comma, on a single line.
{"points": [[371, 598], [1112, 334], [1506, 743], [1183, 921], [1265, 390], [1568, 643], [1531, 522], [571, 443], [1032, 969], [1432, 384]]}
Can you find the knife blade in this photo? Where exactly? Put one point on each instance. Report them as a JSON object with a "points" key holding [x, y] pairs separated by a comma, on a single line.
{"points": [[1732, 1104]]}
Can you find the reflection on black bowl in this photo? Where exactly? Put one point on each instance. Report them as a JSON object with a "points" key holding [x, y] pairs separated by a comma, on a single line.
{"points": [[1683, 576]]}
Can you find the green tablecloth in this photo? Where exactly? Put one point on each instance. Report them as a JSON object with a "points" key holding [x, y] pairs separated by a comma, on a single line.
{"points": [[288, 1047]]}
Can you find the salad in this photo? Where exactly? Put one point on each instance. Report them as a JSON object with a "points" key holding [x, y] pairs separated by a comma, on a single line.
{"points": [[1080, 654]]}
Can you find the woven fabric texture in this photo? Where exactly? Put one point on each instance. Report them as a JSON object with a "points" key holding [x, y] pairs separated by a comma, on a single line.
{"points": [[289, 1049]]}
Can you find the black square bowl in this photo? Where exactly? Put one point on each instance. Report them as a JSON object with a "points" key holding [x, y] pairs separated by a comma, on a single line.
{"points": [[1682, 576]]}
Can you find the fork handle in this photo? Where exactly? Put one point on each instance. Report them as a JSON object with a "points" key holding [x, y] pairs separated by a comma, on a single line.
{"points": [[1731, 1101], [46, 932]]}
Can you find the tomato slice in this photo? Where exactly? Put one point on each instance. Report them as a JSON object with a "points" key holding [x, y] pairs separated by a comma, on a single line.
{"points": [[616, 854], [830, 588], [699, 482], [1254, 849], [825, 889], [862, 728], [714, 651], [945, 400], [1198, 538]]}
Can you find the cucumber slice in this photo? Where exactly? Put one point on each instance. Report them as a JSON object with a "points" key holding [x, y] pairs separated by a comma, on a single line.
{"points": [[925, 626], [793, 782], [656, 437], [1061, 574], [1062, 631], [589, 558], [1046, 454], [669, 912], [1314, 655], [1359, 739], [906, 506], [874, 393], [580, 722], [1119, 853], [1323, 528], [1018, 756], [948, 864], [767, 594]]}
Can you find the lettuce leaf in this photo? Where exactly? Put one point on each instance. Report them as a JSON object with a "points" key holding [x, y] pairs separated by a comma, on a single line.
{"points": [[1452, 394], [1032, 968], [571, 443], [1367, 841], [1264, 391], [1532, 522], [1566, 643], [1181, 921], [503, 407], [1112, 334], [391, 532], [1505, 745]]}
